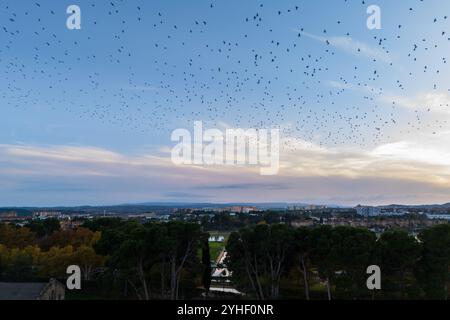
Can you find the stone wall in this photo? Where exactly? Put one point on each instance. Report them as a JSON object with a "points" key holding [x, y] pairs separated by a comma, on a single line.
{"points": [[53, 290]]}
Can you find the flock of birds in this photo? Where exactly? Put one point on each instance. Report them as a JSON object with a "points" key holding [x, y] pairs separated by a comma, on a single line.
{"points": [[146, 70]]}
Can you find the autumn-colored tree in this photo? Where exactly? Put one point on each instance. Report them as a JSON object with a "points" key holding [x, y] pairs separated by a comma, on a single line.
{"points": [[18, 264], [54, 262], [16, 237], [76, 238], [88, 260]]}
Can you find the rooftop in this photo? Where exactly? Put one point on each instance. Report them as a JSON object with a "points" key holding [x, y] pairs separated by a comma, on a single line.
{"points": [[20, 291]]}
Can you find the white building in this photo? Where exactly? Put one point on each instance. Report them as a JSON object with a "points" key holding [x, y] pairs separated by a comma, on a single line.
{"points": [[368, 211], [216, 239], [438, 216]]}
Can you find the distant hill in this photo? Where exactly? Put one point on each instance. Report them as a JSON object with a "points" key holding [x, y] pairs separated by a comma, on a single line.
{"points": [[425, 206], [149, 207], [167, 207]]}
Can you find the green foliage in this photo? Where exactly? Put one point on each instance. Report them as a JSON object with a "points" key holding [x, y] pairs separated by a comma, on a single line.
{"points": [[353, 252], [258, 258], [15, 237], [20, 269], [332, 262], [44, 227], [398, 254], [101, 224], [136, 251], [434, 267], [126, 259], [206, 262]]}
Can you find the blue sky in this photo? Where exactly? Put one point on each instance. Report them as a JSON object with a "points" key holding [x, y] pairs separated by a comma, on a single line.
{"points": [[86, 115]]}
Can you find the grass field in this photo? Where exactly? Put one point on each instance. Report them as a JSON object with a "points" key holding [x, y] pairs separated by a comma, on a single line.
{"points": [[216, 247]]}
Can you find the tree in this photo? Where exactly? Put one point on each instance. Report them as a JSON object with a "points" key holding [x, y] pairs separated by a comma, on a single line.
{"points": [[246, 260], [352, 252], [433, 269], [54, 262], [85, 257], [20, 269], [258, 257], [206, 261], [45, 227], [18, 264], [183, 240], [398, 254], [16, 237], [76, 238], [101, 224], [279, 244], [135, 250], [302, 250], [323, 255], [131, 249]]}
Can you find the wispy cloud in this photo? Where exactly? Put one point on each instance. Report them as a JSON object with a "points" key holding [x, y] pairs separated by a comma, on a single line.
{"points": [[435, 102], [391, 172], [243, 186], [341, 85], [351, 46]]}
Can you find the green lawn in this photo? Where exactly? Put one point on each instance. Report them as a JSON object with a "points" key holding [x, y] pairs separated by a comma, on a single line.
{"points": [[216, 247]]}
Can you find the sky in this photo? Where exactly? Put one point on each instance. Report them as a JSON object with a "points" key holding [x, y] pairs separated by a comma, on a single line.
{"points": [[86, 115]]}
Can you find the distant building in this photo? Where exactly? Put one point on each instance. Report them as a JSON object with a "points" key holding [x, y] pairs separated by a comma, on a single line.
{"points": [[368, 211], [438, 216], [70, 224], [306, 207], [237, 209], [314, 207], [11, 216], [302, 223], [8, 216], [394, 213], [216, 239], [53, 290], [47, 214]]}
